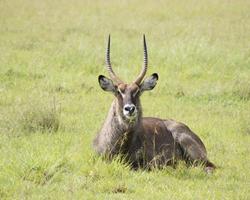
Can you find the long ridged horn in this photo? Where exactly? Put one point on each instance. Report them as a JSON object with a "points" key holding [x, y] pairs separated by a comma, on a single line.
{"points": [[145, 63], [109, 67]]}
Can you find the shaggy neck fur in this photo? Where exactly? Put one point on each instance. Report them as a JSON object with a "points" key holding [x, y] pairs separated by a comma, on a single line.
{"points": [[117, 132]]}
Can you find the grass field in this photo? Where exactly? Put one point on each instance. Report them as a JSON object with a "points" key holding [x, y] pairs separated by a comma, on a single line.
{"points": [[51, 106]]}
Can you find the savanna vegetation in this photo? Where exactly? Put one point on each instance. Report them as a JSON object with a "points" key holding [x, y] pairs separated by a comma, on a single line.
{"points": [[51, 106]]}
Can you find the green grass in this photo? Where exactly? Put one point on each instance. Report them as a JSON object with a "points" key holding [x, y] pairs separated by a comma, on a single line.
{"points": [[51, 106]]}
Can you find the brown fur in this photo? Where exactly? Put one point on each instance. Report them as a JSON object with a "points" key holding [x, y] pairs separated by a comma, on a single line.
{"points": [[147, 142]]}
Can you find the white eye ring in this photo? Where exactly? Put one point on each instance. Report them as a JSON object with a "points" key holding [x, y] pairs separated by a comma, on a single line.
{"points": [[120, 92], [135, 93]]}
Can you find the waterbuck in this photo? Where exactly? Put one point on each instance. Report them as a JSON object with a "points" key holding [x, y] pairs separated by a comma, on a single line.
{"points": [[145, 142]]}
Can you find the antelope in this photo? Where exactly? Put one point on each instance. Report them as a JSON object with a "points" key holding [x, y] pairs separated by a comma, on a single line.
{"points": [[144, 142]]}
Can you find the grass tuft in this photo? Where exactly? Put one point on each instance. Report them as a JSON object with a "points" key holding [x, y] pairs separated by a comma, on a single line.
{"points": [[38, 114], [120, 189], [242, 90], [42, 174], [40, 119]]}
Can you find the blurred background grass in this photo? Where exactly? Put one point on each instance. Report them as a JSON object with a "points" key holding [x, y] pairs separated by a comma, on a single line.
{"points": [[51, 105]]}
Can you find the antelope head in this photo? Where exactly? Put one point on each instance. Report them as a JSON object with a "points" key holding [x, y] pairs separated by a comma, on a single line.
{"points": [[128, 95]]}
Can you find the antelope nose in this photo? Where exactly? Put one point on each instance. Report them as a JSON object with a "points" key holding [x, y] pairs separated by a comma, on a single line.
{"points": [[129, 108]]}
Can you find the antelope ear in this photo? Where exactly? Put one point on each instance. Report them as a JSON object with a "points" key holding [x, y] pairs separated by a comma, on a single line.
{"points": [[106, 84], [149, 83]]}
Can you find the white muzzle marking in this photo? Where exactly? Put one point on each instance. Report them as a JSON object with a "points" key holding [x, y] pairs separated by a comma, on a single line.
{"points": [[129, 111]]}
